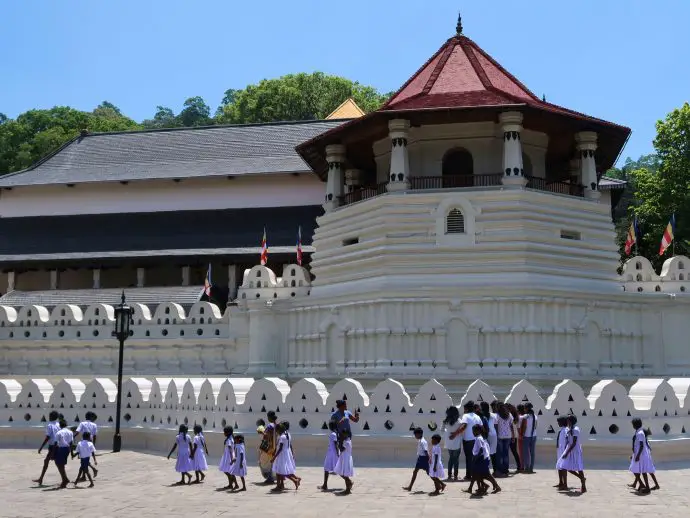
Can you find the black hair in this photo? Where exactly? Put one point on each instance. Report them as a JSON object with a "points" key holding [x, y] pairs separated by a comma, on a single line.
{"points": [[239, 439], [63, 423], [332, 426], [494, 405], [418, 431], [285, 425], [86, 436], [198, 429], [228, 431], [260, 422], [562, 421], [53, 416], [486, 409], [477, 429], [452, 415], [637, 423], [183, 429], [572, 419], [521, 409], [436, 438], [271, 416], [469, 406]]}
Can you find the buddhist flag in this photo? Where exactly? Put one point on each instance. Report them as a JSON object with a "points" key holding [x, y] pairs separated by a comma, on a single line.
{"points": [[207, 282], [631, 238], [299, 246], [264, 249], [667, 238]]}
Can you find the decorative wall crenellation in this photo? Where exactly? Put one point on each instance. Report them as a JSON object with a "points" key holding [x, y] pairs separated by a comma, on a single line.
{"points": [[389, 409]]}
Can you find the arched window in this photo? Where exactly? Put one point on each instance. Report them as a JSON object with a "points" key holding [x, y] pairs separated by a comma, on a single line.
{"points": [[455, 222], [458, 168], [526, 164], [658, 288], [639, 277], [638, 265], [681, 265], [258, 273], [681, 276]]}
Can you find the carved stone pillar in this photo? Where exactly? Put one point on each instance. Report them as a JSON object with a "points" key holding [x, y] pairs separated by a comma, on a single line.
{"points": [[513, 172], [335, 156], [586, 147], [399, 177], [11, 277], [96, 278], [141, 276], [232, 282], [54, 279]]}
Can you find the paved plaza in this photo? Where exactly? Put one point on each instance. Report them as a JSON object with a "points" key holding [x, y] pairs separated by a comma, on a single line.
{"points": [[137, 484]]}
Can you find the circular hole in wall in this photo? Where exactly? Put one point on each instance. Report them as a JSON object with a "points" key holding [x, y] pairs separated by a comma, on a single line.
{"points": [[199, 331], [432, 426], [27, 417], [388, 425], [61, 334], [666, 428], [223, 423], [127, 417], [303, 423], [164, 332], [95, 332], [613, 428], [27, 334]]}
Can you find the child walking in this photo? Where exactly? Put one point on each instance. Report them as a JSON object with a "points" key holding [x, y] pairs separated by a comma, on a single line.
{"points": [[85, 450], [284, 459], [481, 464], [561, 445], [436, 471], [184, 464], [422, 457], [573, 461], [228, 458], [52, 428], [88, 426], [332, 454], [265, 464], [239, 468], [344, 466], [199, 453], [641, 462], [64, 441]]}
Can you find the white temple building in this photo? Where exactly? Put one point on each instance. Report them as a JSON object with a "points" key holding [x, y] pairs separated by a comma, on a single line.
{"points": [[461, 231]]}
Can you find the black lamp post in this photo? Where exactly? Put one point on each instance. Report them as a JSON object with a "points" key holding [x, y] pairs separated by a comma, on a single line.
{"points": [[123, 318]]}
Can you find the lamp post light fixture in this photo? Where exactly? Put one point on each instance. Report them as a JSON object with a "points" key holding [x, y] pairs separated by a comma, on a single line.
{"points": [[123, 319]]}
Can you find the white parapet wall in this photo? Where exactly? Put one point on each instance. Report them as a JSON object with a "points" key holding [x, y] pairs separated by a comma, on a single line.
{"points": [[152, 408]]}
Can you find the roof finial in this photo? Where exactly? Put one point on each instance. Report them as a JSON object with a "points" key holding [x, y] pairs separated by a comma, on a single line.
{"points": [[543, 97], [458, 27]]}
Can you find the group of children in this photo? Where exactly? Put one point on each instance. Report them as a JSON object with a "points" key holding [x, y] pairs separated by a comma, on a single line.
{"points": [[60, 440]]}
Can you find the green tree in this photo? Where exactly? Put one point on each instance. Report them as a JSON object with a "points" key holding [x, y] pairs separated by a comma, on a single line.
{"points": [[107, 110], [662, 186], [195, 113], [296, 97]]}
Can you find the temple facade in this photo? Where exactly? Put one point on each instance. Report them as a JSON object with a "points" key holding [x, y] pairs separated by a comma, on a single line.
{"points": [[462, 230]]}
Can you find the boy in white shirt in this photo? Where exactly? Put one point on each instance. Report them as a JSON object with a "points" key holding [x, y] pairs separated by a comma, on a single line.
{"points": [[85, 450], [91, 427], [422, 457]]}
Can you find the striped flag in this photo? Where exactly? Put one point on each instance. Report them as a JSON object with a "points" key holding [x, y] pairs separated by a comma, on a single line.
{"points": [[299, 245], [264, 249], [667, 238], [207, 281], [631, 238]]}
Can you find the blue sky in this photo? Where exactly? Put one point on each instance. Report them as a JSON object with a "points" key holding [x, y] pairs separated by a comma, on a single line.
{"points": [[623, 61]]}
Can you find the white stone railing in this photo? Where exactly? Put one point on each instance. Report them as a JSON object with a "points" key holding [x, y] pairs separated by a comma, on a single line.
{"points": [[164, 403]]}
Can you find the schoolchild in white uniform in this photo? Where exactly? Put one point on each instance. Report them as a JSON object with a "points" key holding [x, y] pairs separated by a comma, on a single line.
{"points": [[85, 450], [561, 445], [199, 453], [239, 468], [228, 458], [52, 428], [63, 447], [436, 471], [422, 457], [184, 464], [332, 454], [481, 461], [573, 460], [344, 466], [88, 426], [641, 462], [284, 458]]}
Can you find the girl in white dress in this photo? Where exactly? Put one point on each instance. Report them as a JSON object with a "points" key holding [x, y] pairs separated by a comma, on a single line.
{"points": [[641, 462], [183, 445], [345, 465], [199, 452], [573, 461], [331, 455], [239, 468], [228, 458], [284, 459], [561, 445], [436, 471]]}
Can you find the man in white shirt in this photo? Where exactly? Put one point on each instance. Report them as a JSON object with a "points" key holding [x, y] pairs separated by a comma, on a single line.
{"points": [[469, 419], [51, 429]]}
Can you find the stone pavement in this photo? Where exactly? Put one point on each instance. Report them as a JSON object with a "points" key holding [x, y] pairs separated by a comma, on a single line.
{"points": [[137, 484]]}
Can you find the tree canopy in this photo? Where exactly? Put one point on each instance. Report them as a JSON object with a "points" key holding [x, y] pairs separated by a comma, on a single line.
{"points": [[36, 133]]}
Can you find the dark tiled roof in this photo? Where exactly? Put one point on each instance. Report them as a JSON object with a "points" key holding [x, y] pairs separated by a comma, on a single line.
{"points": [[174, 153], [152, 296], [152, 231], [607, 184]]}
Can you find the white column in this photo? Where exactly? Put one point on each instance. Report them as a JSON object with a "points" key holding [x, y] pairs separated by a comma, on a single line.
{"points": [[587, 146], [54, 277], [141, 275], [96, 278], [513, 172], [335, 156], [185, 276], [399, 177], [10, 281], [232, 282]]}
